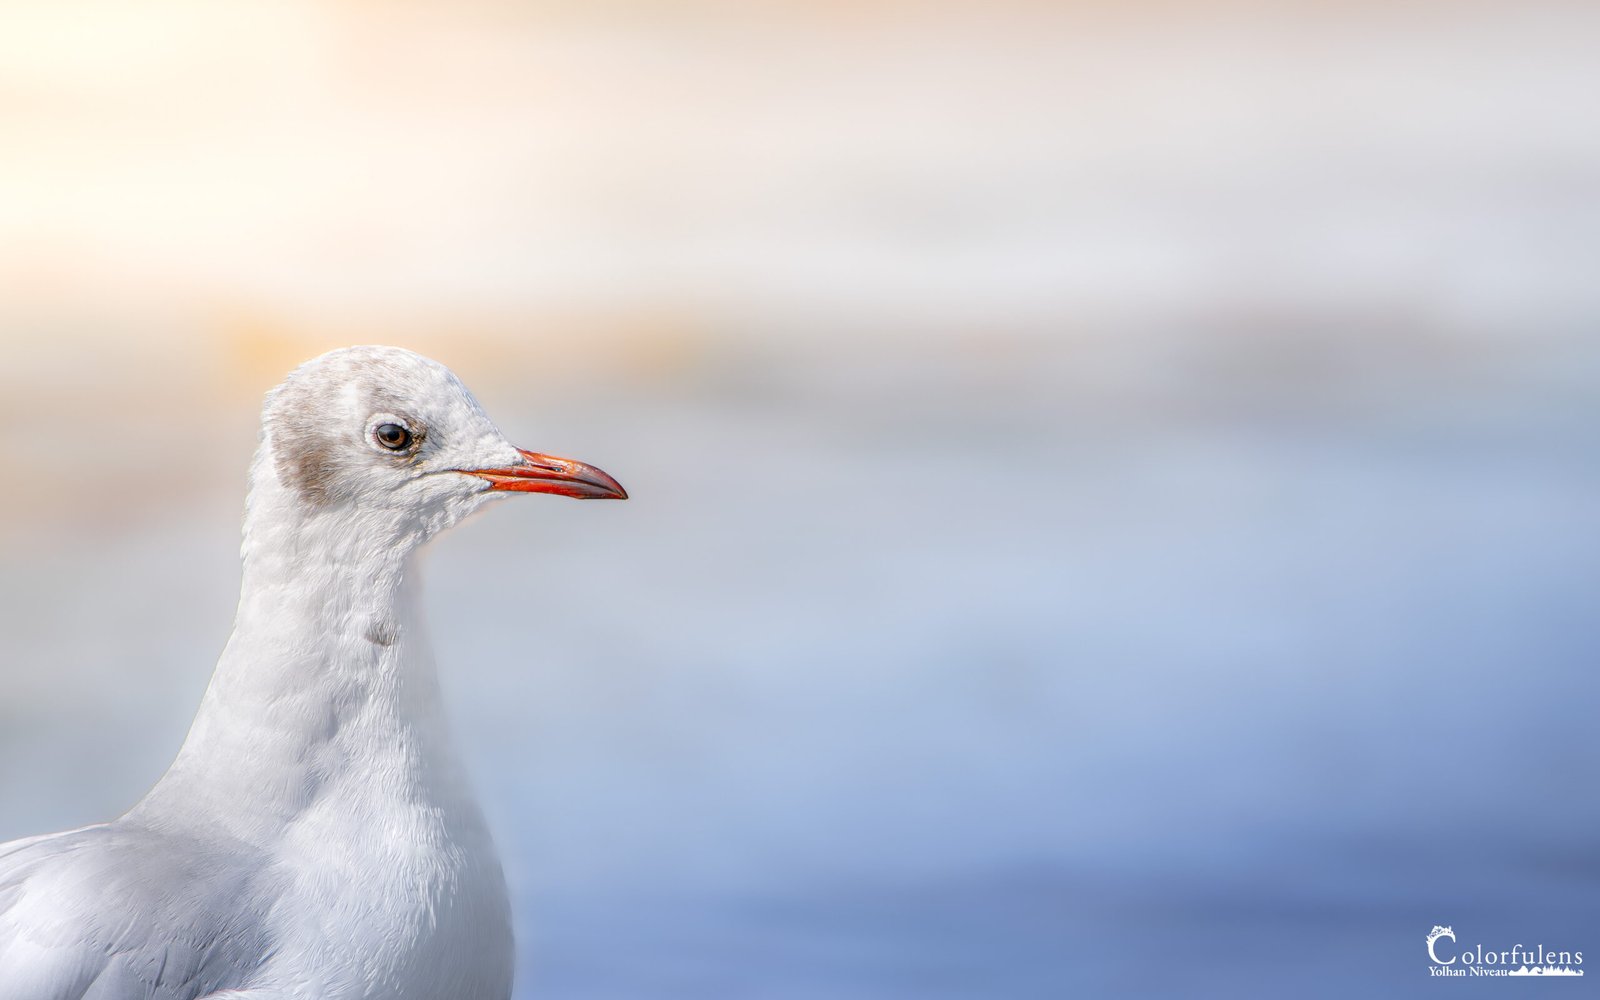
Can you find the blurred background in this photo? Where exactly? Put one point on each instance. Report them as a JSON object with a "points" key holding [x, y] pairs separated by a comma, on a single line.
{"points": [[1114, 485]]}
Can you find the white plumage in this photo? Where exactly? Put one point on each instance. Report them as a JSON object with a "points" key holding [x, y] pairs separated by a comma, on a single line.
{"points": [[316, 836]]}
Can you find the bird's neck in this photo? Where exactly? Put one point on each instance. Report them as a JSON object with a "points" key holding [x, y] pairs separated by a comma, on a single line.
{"points": [[325, 699]]}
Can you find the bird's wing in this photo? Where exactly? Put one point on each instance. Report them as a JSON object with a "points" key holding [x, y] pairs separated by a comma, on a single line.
{"points": [[121, 912]]}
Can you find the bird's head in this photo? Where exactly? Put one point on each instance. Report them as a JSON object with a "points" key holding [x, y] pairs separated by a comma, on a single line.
{"points": [[384, 434]]}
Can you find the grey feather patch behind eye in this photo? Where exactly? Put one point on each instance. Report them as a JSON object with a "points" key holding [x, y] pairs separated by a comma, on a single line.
{"points": [[303, 451], [305, 447]]}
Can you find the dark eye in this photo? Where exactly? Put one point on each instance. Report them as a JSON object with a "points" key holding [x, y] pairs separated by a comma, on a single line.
{"points": [[392, 436]]}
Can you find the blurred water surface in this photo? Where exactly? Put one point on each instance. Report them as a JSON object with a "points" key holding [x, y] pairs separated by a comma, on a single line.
{"points": [[950, 679]]}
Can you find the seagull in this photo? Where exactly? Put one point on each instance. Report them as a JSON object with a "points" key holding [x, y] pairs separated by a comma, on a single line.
{"points": [[316, 836]]}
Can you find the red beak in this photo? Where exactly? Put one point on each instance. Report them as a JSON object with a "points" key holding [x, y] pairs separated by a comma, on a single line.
{"points": [[549, 474]]}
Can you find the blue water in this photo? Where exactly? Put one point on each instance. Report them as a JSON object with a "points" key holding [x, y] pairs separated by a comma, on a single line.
{"points": [[1063, 675]]}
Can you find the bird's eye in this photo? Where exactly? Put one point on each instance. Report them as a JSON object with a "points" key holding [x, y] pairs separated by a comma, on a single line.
{"points": [[392, 436]]}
